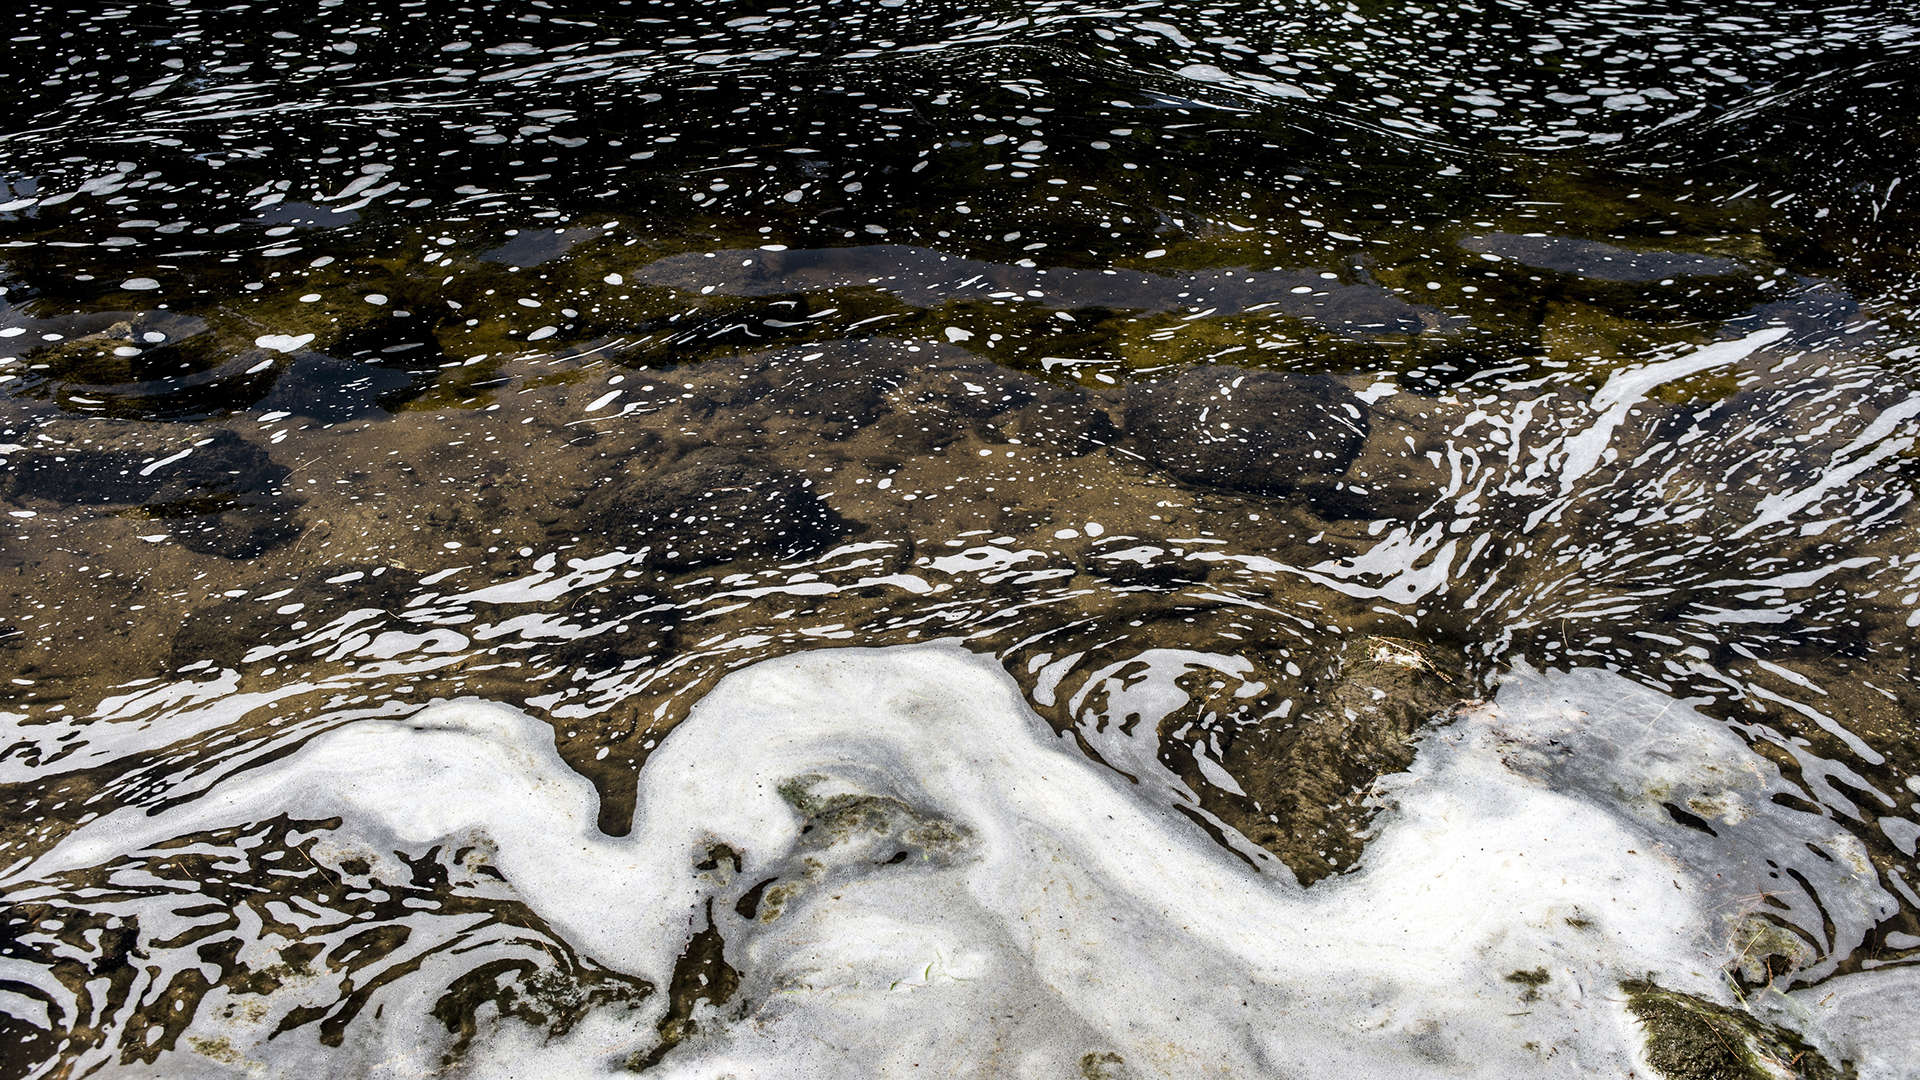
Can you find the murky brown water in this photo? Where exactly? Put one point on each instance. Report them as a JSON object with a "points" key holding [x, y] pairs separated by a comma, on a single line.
{"points": [[1252, 386]]}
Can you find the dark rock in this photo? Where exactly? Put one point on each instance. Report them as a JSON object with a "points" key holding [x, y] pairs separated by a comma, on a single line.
{"points": [[218, 499], [942, 401], [834, 390], [305, 215], [1337, 502], [73, 477], [221, 504], [1596, 261], [1253, 431], [1312, 775], [715, 507], [926, 278], [251, 528], [221, 466], [534, 247], [225, 465], [400, 345], [331, 390], [974, 390], [1062, 417], [1813, 307], [838, 398]]}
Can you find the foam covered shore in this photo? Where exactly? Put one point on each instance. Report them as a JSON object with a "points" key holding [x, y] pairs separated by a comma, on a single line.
{"points": [[899, 866]]}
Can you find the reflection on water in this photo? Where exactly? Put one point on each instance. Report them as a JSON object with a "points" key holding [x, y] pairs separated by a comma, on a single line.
{"points": [[1251, 387]]}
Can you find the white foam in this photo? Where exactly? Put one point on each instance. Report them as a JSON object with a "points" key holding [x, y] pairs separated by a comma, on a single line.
{"points": [[1867, 1018], [1051, 913], [1873, 446], [1626, 388]]}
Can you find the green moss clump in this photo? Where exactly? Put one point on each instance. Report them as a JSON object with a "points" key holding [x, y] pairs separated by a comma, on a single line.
{"points": [[1692, 1039], [1532, 980], [1308, 780]]}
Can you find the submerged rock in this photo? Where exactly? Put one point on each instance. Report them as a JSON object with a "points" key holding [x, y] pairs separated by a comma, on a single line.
{"points": [[940, 402], [1311, 777], [215, 495], [252, 527], [837, 400], [73, 477], [833, 392], [714, 507], [927, 278], [330, 389], [1062, 417], [975, 389], [1252, 431], [1597, 261], [141, 471]]}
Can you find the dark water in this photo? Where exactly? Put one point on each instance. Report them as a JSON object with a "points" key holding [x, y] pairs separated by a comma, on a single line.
{"points": [[1222, 371]]}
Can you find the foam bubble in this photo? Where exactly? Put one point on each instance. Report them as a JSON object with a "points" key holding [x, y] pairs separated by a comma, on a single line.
{"points": [[909, 869]]}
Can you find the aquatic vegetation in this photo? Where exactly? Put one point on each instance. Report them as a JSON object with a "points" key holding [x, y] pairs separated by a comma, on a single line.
{"points": [[1690, 1039]]}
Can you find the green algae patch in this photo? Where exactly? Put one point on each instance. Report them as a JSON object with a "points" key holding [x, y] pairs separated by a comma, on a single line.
{"points": [[1576, 333], [846, 819], [1532, 980], [1095, 1065], [1688, 1038], [1306, 780]]}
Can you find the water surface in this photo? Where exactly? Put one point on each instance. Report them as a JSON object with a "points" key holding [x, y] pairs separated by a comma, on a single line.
{"points": [[1249, 385]]}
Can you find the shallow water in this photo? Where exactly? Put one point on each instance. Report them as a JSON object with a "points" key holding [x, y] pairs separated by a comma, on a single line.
{"points": [[1255, 393]]}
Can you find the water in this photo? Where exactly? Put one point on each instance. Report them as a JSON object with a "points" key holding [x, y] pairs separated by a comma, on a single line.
{"points": [[412, 415]]}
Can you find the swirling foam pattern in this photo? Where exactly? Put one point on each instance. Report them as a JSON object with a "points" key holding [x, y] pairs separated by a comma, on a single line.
{"points": [[941, 880]]}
